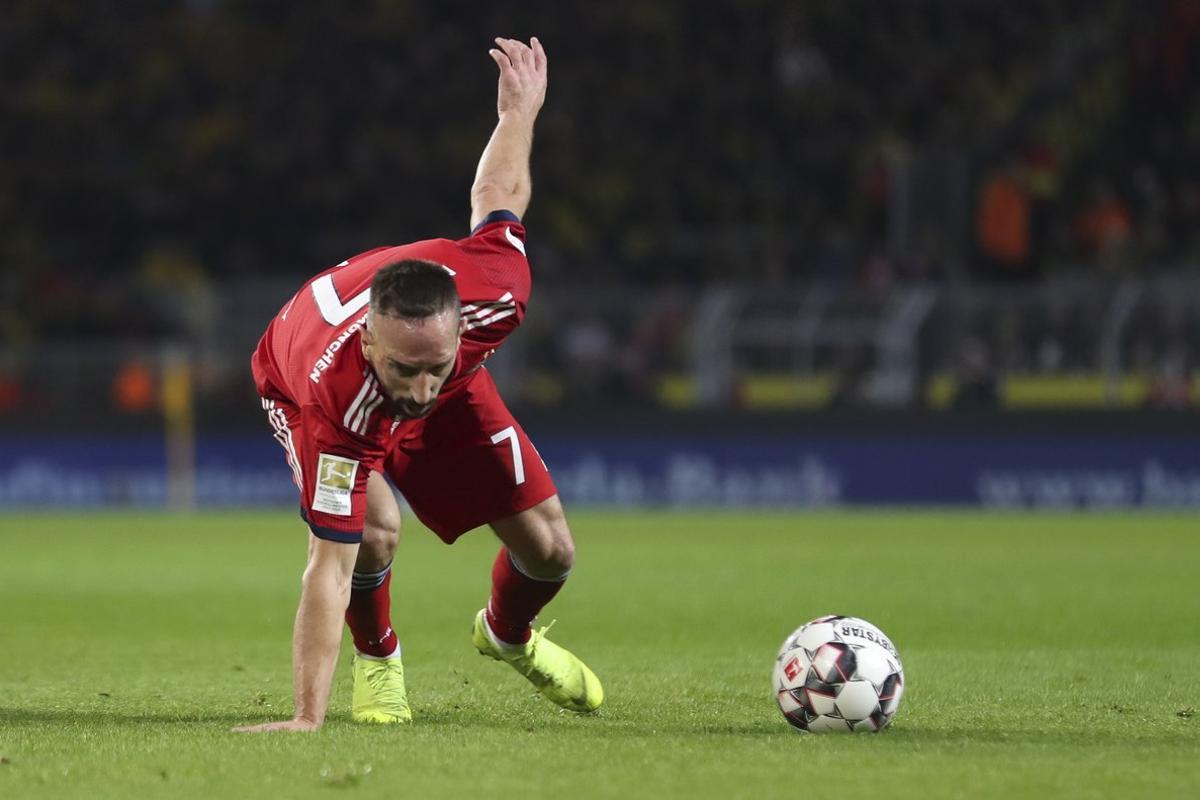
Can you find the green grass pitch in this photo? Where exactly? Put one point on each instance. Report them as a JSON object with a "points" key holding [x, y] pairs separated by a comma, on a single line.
{"points": [[1045, 655]]}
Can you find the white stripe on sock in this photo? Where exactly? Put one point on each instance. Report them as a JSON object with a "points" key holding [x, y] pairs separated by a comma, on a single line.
{"points": [[395, 654], [521, 569]]}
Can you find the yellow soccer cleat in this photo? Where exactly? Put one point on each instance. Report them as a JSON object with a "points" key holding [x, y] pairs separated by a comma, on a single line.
{"points": [[556, 672], [379, 693]]}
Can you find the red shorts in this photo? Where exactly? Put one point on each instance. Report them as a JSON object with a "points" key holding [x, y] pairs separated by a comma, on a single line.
{"points": [[472, 464]]}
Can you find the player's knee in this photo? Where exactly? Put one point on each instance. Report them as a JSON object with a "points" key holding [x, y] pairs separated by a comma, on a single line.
{"points": [[554, 553], [557, 558], [381, 532], [539, 541], [563, 559]]}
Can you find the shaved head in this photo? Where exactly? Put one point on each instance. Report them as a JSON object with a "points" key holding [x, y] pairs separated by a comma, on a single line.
{"points": [[413, 332]]}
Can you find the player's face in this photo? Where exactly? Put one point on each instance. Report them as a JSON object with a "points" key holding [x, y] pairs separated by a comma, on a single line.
{"points": [[412, 358]]}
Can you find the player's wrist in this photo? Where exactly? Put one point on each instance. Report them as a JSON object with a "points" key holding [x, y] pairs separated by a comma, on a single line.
{"points": [[308, 718], [518, 116]]}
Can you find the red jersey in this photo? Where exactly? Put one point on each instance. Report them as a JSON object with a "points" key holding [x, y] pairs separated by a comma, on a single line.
{"points": [[310, 359]]}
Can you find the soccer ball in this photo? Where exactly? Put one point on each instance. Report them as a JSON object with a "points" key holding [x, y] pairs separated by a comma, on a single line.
{"points": [[838, 674]]}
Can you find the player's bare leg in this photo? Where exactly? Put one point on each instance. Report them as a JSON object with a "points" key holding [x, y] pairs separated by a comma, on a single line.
{"points": [[379, 690], [529, 570], [381, 532]]}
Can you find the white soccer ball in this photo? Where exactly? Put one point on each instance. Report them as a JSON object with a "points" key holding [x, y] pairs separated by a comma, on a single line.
{"points": [[838, 674]]}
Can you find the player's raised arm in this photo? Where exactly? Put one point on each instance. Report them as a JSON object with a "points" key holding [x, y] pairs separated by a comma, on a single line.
{"points": [[502, 179]]}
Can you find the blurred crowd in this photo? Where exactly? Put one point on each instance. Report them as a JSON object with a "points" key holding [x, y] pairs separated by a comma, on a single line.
{"points": [[151, 151]]}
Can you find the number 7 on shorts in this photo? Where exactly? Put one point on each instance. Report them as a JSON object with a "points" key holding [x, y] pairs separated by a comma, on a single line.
{"points": [[510, 433]]}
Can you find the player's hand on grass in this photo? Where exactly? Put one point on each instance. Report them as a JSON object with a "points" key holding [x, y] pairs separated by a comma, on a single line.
{"points": [[287, 726], [522, 76]]}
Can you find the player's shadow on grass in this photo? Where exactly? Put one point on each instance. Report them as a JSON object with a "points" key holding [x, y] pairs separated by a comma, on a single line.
{"points": [[16, 716], [1092, 737], [605, 724], [747, 729]]}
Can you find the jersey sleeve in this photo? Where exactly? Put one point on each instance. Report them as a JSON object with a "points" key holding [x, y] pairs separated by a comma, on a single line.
{"points": [[496, 289]]}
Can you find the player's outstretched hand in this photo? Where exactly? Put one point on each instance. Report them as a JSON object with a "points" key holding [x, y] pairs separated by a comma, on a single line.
{"points": [[289, 726], [522, 76]]}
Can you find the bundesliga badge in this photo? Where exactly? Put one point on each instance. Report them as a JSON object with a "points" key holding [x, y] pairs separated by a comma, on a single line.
{"points": [[335, 483]]}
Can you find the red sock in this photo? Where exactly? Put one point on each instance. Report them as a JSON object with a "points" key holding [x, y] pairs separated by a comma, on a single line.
{"points": [[516, 600], [369, 613]]}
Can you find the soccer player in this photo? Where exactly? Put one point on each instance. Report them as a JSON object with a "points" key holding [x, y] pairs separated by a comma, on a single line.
{"points": [[374, 373]]}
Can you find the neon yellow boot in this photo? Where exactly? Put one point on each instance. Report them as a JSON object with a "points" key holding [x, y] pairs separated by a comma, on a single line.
{"points": [[379, 693], [557, 673]]}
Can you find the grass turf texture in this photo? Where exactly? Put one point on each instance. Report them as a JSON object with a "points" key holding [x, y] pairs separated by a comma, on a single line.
{"points": [[1055, 655]]}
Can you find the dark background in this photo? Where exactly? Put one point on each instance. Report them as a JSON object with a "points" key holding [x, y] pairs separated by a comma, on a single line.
{"points": [[171, 171]]}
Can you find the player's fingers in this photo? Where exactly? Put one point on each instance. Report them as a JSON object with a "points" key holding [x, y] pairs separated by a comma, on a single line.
{"points": [[526, 53], [511, 47], [271, 727], [539, 54], [501, 60], [517, 52]]}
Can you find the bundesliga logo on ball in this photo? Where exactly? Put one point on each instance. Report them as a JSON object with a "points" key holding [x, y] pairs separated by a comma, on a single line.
{"points": [[838, 674]]}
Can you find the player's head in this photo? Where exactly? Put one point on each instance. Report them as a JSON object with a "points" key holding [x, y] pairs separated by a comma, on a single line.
{"points": [[412, 335]]}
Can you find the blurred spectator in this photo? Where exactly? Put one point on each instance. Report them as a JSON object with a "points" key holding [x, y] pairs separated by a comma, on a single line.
{"points": [[12, 391], [134, 388], [1151, 209], [588, 352], [850, 375], [1104, 226], [180, 289], [1004, 222], [1171, 387], [975, 378]]}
